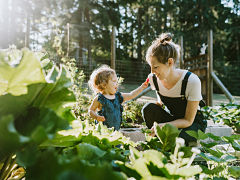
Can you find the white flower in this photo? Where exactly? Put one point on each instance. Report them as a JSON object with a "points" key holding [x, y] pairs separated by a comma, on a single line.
{"points": [[180, 154], [180, 141], [196, 150]]}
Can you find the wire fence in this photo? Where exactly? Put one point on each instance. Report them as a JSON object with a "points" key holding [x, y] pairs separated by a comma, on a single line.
{"points": [[135, 72]]}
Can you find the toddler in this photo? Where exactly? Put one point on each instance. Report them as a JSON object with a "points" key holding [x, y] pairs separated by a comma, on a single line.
{"points": [[107, 105]]}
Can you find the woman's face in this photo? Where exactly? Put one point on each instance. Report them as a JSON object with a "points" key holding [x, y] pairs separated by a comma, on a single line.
{"points": [[159, 69]]}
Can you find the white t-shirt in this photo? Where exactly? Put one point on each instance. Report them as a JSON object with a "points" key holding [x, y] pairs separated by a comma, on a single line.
{"points": [[193, 89]]}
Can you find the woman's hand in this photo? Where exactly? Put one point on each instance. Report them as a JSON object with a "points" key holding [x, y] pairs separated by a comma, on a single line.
{"points": [[153, 133], [159, 104], [101, 118]]}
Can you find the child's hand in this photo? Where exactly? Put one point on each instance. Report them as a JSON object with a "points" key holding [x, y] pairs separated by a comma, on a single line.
{"points": [[147, 81], [101, 118], [145, 84]]}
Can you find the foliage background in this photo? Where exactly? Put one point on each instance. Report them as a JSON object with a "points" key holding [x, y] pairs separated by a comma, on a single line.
{"points": [[35, 23]]}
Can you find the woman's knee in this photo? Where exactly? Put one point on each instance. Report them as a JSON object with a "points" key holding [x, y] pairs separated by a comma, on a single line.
{"points": [[148, 108], [148, 114]]}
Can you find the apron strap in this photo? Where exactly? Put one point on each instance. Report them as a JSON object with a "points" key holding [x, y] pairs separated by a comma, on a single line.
{"points": [[184, 83], [155, 82], [156, 85], [184, 86]]}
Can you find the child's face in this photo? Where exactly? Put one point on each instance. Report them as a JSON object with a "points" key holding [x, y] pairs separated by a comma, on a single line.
{"points": [[112, 85]]}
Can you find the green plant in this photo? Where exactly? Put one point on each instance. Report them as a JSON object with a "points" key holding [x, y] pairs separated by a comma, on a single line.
{"points": [[80, 150], [228, 114], [220, 161], [150, 164], [34, 104], [132, 114], [165, 138], [80, 108]]}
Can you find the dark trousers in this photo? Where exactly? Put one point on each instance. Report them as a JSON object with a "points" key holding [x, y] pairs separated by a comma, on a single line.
{"points": [[154, 113]]}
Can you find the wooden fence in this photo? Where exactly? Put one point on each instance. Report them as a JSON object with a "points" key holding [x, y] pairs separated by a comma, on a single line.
{"points": [[199, 66]]}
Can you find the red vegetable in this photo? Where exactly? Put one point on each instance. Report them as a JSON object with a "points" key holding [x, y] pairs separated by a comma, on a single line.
{"points": [[147, 80]]}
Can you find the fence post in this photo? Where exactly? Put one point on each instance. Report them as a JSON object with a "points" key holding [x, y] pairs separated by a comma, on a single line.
{"points": [[68, 38], [210, 69], [181, 53], [113, 48]]}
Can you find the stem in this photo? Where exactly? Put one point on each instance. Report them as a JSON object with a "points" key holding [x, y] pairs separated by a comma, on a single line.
{"points": [[11, 167], [6, 169], [191, 160], [5, 166], [176, 150]]}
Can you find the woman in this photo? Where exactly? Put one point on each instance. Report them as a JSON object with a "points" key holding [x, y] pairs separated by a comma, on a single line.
{"points": [[179, 90]]}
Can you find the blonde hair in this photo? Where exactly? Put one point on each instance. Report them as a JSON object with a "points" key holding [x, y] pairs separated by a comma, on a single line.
{"points": [[100, 77], [163, 48]]}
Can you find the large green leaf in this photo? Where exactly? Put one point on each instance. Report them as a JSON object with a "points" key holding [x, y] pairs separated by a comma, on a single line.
{"points": [[198, 135], [187, 171], [54, 166], [63, 141], [89, 152], [167, 135], [128, 170], [156, 157], [159, 173], [33, 117], [141, 167], [28, 155], [52, 93], [213, 171], [14, 80], [234, 171], [17, 105], [10, 140], [56, 94]]}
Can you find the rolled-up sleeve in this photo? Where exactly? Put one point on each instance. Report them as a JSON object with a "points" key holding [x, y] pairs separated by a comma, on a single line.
{"points": [[194, 89]]}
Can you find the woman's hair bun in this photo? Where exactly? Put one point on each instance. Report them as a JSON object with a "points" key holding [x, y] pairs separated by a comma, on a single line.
{"points": [[165, 37]]}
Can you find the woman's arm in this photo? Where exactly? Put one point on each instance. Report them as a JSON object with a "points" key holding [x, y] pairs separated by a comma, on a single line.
{"points": [[187, 121], [92, 110], [134, 93]]}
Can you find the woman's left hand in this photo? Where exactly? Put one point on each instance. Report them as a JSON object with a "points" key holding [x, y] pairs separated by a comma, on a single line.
{"points": [[153, 133]]}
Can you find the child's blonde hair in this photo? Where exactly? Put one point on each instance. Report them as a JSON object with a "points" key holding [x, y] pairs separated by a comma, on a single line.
{"points": [[100, 77]]}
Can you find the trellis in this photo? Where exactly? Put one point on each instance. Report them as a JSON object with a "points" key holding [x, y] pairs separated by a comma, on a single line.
{"points": [[202, 65]]}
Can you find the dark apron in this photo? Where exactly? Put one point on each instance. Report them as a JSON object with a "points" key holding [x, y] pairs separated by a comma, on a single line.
{"points": [[177, 107]]}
